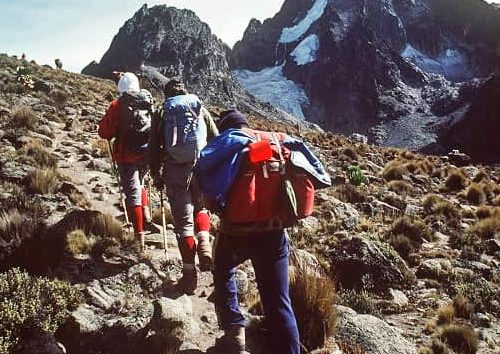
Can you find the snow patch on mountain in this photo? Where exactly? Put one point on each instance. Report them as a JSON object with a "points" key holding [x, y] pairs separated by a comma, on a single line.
{"points": [[270, 85], [291, 34], [451, 63], [307, 51]]}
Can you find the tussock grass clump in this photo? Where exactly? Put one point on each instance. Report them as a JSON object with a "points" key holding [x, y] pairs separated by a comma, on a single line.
{"points": [[43, 180], [26, 300], [407, 234], [430, 201], [475, 194], [41, 156], [59, 96], [445, 314], [313, 300], [77, 242], [350, 348], [393, 171], [24, 117], [477, 233], [484, 212], [436, 347], [462, 339], [100, 148], [463, 308], [399, 186], [350, 152], [481, 176], [349, 194], [456, 180]]}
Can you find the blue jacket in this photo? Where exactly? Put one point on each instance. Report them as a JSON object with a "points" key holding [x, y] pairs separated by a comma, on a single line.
{"points": [[220, 160]]}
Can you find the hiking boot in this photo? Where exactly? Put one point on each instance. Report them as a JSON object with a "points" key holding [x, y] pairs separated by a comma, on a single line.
{"points": [[189, 280], [233, 341], [204, 250]]}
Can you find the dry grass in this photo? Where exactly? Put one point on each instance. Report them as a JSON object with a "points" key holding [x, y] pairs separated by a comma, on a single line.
{"points": [[445, 314], [399, 186], [43, 180], [24, 117], [394, 171], [349, 194], [313, 300], [456, 180], [462, 339], [462, 307], [100, 148], [77, 242], [350, 348], [41, 156], [475, 194], [481, 176]]}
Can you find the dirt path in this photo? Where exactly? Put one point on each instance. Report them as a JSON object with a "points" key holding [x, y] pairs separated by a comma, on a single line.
{"points": [[100, 188]]}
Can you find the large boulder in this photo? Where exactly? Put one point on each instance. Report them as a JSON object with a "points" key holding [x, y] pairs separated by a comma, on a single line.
{"points": [[360, 264], [371, 333]]}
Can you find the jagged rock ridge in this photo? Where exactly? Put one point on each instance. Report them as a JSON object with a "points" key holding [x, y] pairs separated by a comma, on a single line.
{"points": [[384, 67]]}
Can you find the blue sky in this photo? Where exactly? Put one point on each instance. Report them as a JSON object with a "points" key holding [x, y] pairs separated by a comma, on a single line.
{"points": [[78, 31]]}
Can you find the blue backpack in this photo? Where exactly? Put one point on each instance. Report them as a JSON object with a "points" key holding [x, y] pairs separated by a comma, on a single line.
{"points": [[184, 128]]}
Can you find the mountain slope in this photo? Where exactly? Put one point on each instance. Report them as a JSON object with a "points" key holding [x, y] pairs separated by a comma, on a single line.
{"points": [[379, 67]]}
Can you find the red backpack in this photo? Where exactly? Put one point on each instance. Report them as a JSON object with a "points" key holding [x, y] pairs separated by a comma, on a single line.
{"points": [[269, 190]]}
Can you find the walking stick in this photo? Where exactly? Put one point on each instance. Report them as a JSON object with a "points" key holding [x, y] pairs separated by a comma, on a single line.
{"points": [[163, 220], [117, 175]]}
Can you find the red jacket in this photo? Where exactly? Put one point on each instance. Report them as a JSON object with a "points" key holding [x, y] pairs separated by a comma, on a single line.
{"points": [[108, 129]]}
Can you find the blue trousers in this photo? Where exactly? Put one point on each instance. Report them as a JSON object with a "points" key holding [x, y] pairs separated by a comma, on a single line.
{"points": [[269, 255]]}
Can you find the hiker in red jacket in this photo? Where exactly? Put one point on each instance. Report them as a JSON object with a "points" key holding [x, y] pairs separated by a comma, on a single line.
{"points": [[130, 145]]}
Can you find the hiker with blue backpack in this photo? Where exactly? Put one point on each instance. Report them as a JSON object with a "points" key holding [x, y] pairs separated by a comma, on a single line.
{"points": [[260, 183], [128, 121], [180, 130]]}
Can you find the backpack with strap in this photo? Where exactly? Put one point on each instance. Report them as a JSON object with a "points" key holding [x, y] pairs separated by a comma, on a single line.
{"points": [[135, 120], [184, 128], [269, 191]]}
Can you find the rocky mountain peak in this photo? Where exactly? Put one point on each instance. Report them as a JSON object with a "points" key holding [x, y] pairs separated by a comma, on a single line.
{"points": [[175, 43], [380, 67]]}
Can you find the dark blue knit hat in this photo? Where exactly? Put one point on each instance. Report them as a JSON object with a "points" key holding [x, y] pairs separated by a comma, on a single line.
{"points": [[231, 119]]}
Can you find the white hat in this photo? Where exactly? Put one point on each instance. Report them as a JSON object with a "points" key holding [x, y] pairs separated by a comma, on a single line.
{"points": [[128, 83]]}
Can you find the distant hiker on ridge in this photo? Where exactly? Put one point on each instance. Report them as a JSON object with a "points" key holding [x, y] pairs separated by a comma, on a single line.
{"points": [[128, 121], [250, 176], [179, 131]]}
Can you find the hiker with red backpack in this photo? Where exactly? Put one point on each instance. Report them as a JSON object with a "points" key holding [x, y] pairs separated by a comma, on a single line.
{"points": [[261, 183], [180, 130], [128, 122]]}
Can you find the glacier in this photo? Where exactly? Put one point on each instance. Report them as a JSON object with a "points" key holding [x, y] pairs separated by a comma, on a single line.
{"points": [[307, 51], [291, 34], [270, 85]]}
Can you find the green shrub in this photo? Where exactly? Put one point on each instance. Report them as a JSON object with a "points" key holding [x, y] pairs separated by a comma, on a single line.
{"points": [[360, 301], [462, 339], [26, 301], [356, 176]]}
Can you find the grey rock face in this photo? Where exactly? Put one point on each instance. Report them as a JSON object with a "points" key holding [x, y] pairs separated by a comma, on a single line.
{"points": [[371, 333], [389, 69]]}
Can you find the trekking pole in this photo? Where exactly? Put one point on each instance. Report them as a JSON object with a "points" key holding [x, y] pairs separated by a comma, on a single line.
{"points": [[117, 175], [163, 220]]}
